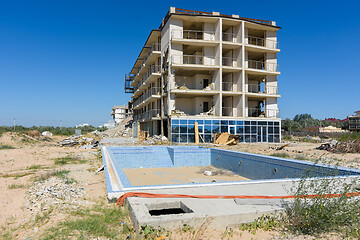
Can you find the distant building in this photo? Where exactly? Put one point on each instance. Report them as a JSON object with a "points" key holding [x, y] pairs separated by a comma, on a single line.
{"points": [[334, 120], [354, 122], [119, 113], [330, 129]]}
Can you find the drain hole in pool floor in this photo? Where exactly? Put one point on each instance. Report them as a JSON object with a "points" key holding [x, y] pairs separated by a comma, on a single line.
{"points": [[166, 211]]}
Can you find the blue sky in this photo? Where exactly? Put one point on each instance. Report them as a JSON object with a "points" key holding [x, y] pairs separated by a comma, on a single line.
{"points": [[66, 60]]}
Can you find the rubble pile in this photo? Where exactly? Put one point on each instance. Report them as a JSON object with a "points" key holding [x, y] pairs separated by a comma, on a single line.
{"points": [[54, 192], [85, 142], [156, 139], [352, 146], [119, 131]]}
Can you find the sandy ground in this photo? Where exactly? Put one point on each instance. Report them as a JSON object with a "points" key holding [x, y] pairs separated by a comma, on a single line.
{"points": [[30, 159], [179, 175]]}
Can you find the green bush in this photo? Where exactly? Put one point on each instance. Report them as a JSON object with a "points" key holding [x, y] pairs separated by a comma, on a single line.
{"points": [[320, 214], [349, 136], [64, 131]]}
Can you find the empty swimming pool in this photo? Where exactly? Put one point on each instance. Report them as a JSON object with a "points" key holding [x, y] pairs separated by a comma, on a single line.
{"points": [[169, 167]]}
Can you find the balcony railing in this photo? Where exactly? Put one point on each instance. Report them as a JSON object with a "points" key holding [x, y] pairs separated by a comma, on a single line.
{"points": [[229, 37], [154, 47], [152, 69], [193, 34], [192, 59], [260, 65], [229, 61], [227, 111], [258, 88], [256, 112], [227, 86], [262, 42], [148, 94], [147, 115]]}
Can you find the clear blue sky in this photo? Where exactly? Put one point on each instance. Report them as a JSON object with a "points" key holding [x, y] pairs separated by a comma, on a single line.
{"points": [[66, 60]]}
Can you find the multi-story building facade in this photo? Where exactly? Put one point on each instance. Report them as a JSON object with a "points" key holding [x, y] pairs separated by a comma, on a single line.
{"points": [[354, 122], [218, 70]]}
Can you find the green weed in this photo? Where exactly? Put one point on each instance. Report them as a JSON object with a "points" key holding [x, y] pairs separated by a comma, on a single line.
{"points": [[150, 232], [287, 138], [68, 160], [98, 221], [34, 167], [265, 222], [320, 215], [16, 186], [282, 155], [349, 136], [3, 147]]}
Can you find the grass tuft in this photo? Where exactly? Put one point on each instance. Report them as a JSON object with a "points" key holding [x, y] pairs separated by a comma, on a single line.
{"points": [[16, 186], [282, 155], [68, 160], [98, 221], [4, 147]]}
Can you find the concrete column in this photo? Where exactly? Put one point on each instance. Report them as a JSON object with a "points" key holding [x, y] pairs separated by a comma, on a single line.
{"points": [[243, 68]]}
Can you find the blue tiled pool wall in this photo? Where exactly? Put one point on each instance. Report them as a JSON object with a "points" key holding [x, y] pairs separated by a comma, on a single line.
{"points": [[159, 157], [252, 166], [259, 167], [183, 130], [156, 157]]}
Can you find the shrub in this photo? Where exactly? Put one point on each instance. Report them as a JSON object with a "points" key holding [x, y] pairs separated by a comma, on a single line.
{"points": [[320, 214]]}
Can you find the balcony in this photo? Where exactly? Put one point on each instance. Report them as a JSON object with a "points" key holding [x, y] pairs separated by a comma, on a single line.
{"points": [[229, 112], [229, 37], [227, 86], [257, 112], [230, 62], [262, 42], [193, 60], [193, 34], [146, 96], [260, 65], [154, 113], [152, 69], [258, 88], [156, 47]]}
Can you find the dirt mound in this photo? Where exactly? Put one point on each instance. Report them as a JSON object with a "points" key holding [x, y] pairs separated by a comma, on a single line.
{"points": [[33, 133]]}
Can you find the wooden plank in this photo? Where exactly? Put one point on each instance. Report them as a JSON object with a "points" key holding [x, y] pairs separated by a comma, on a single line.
{"points": [[196, 133], [223, 138]]}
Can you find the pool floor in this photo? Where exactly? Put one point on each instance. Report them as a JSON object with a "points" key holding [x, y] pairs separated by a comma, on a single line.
{"points": [[179, 175]]}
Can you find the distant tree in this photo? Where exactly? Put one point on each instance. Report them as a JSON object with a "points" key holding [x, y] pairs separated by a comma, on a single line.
{"points": [[290, 125]]}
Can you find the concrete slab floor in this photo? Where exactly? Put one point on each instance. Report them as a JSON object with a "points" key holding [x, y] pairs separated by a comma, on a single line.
{"points": [[177, 175], [215, 213]]}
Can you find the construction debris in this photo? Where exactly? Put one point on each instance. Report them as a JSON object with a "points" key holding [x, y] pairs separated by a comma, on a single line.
{"points": [[61, 193], [213, 171], [226, 139], [122, 130], [143, 136], [352, 146], [283, 146], [85, 142], [46, 134], [156, 139], [209, 87]]}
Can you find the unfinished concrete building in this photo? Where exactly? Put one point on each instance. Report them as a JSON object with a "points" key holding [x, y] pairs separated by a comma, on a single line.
{"points": [[354, 122], [218, 70]]}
